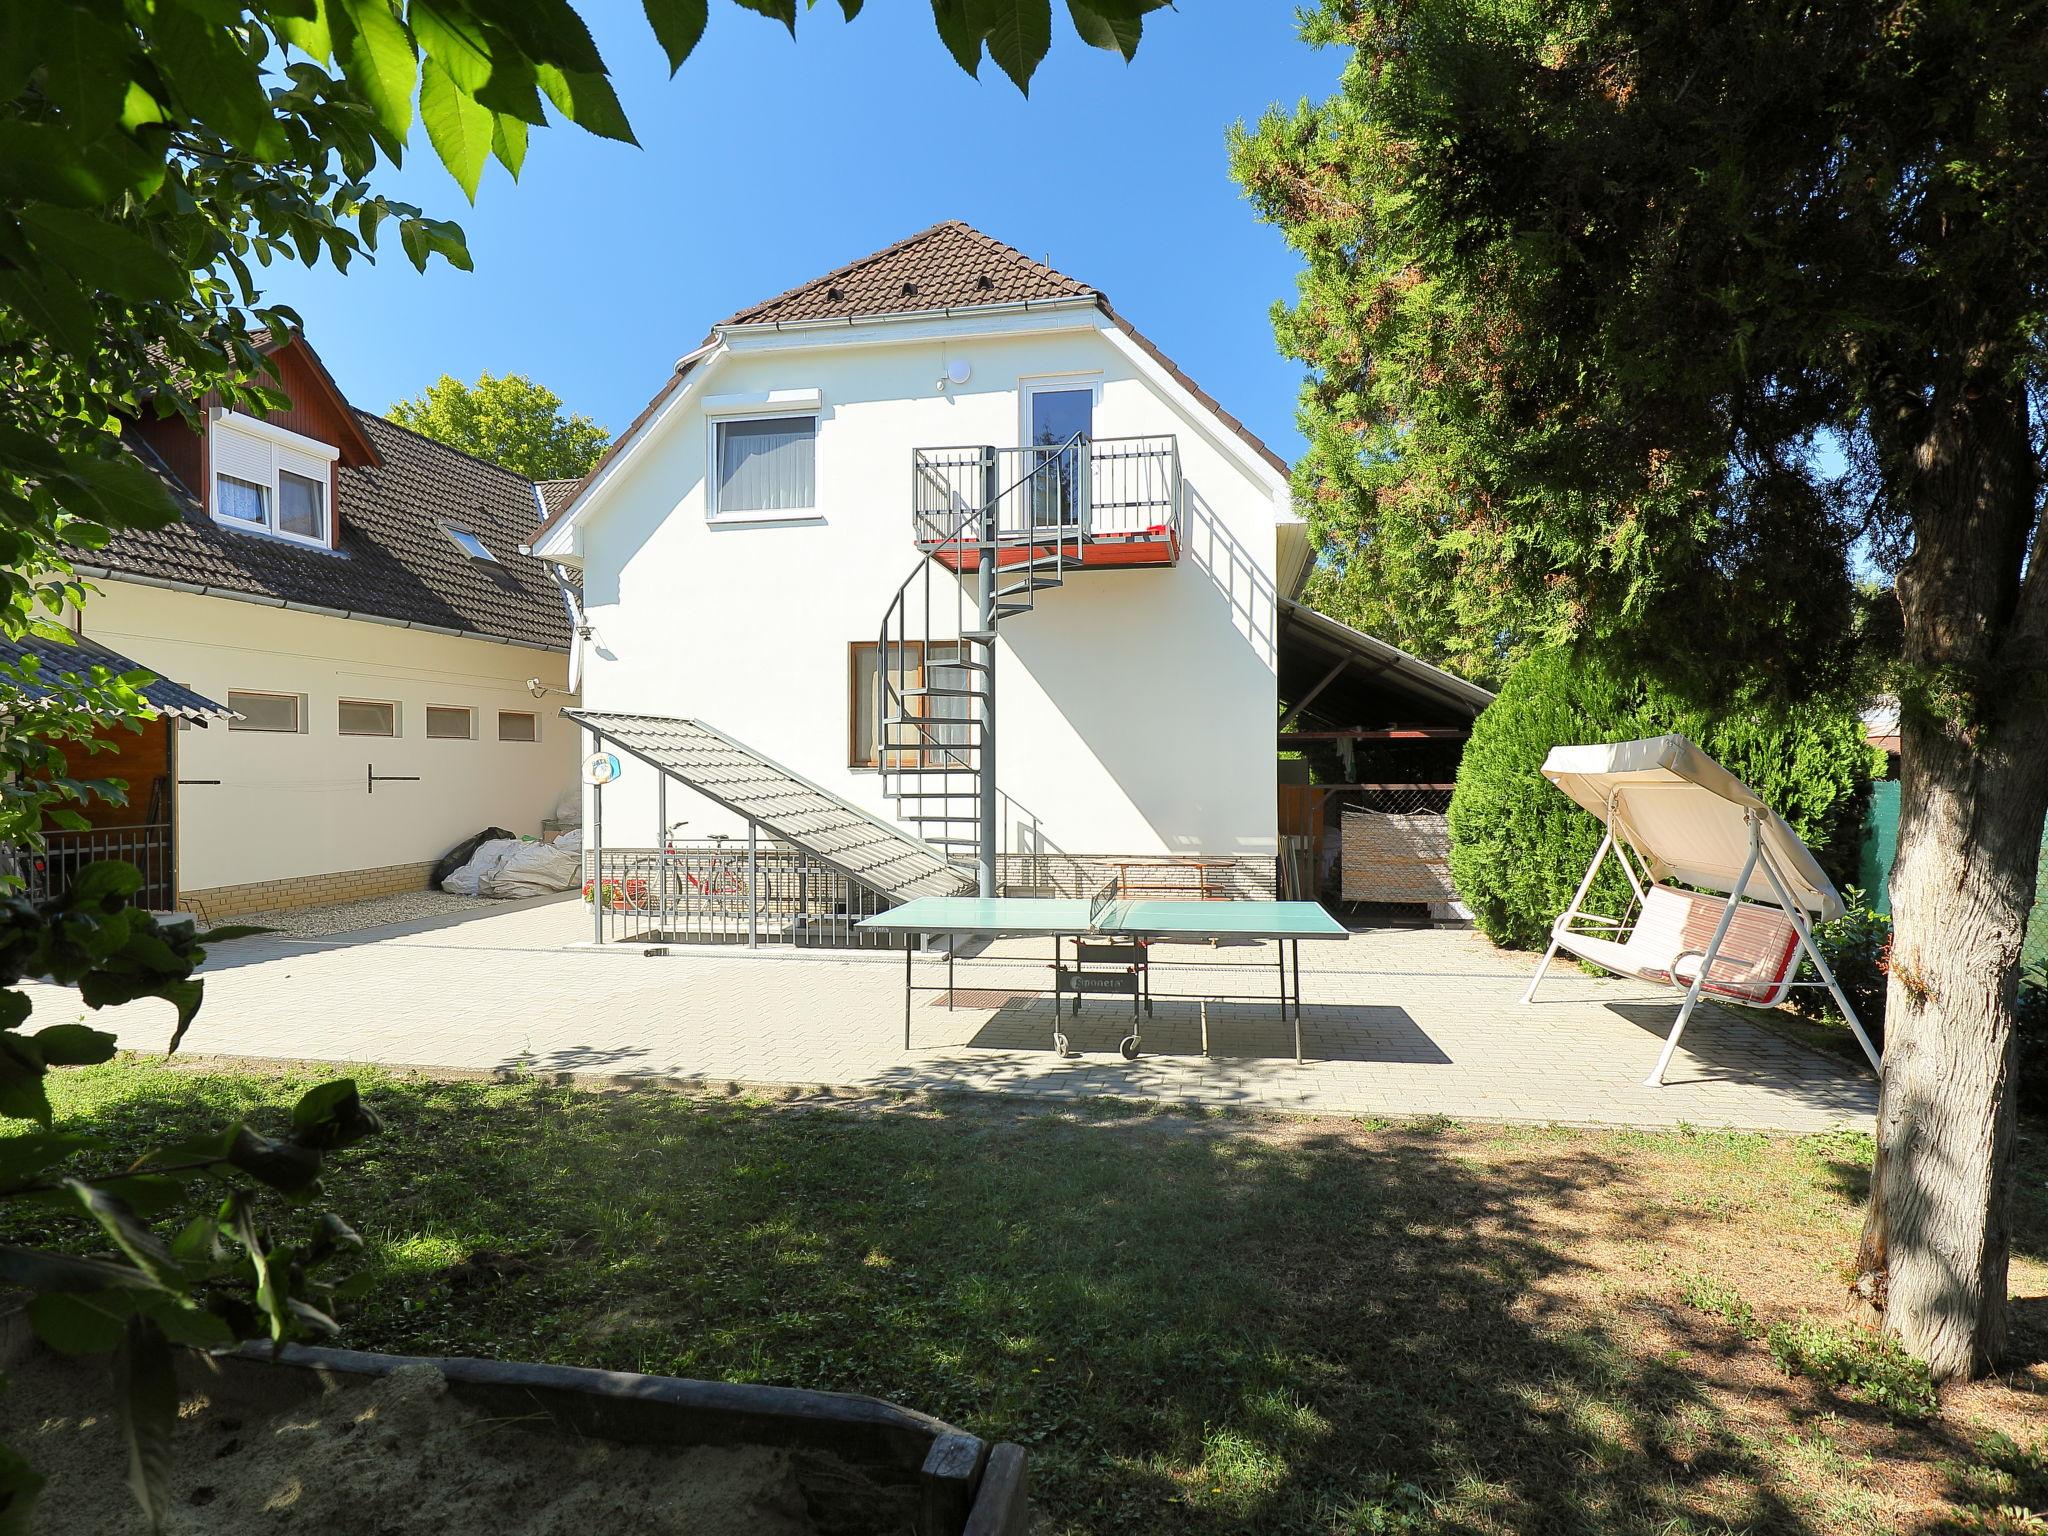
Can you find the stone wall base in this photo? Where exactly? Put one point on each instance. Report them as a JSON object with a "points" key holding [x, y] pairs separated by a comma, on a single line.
{"points": [[222, 903]]}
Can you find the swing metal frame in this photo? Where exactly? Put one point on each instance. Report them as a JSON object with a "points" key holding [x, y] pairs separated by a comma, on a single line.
{"points": [[1618, 843]]}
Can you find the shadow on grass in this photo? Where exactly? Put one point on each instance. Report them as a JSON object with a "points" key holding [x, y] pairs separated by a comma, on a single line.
{"points": [[1191, 1329]]}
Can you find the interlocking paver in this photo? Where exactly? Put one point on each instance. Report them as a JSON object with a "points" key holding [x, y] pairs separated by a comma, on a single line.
{"points": [[1395, 1022]]}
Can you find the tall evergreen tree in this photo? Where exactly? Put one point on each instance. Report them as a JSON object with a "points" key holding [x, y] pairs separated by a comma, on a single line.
{"points": [[1630, 324]]}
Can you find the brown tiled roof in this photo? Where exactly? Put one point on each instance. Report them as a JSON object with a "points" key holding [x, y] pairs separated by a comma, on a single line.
{"points": [[395, 560], [556, 494], [949, 266]]}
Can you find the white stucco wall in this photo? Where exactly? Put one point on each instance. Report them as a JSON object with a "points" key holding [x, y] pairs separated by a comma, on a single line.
{"points": [[293, 805], [1135, 708]]}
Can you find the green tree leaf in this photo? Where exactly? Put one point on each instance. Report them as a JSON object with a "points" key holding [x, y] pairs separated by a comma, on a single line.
{"points": [[959, 32], [678, 27], [19, 1485], [378, 57], [457, 126], [148, 1390], [508, 141], [1100, 27], [455, 41], [586, 100], [73, 1045], [73, 1323], [1018, 34]]}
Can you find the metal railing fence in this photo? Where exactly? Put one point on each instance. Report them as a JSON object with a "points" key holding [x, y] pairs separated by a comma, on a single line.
{"points": [[708, 893], [48, 870]]}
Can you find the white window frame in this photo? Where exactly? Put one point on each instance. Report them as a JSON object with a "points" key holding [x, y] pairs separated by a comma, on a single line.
{"points": [[792, 403], [298, 711], [284, 452], [521, 714], [1057, 384], [397, 717], [469, 710]]}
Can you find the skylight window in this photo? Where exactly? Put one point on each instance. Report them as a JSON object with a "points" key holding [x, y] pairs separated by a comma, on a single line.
{"points": [[469, 543]]}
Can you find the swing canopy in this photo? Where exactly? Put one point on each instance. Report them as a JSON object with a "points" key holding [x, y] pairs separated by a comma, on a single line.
{"points": [[1687, 818]]}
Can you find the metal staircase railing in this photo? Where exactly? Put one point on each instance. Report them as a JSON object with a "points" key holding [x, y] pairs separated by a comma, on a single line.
{"points": [[934, 703]]}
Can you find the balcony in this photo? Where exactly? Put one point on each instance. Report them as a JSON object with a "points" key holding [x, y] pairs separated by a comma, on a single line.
{"points": [[1105, 503]]}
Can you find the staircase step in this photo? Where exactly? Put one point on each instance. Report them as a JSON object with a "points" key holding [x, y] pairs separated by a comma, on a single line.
{"points": [[943, 693], [979, 636]]}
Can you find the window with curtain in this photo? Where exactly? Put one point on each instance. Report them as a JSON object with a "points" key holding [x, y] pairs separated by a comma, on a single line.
{"points": [[914, 665], [242, 500], [301, 505], [766, 464]]}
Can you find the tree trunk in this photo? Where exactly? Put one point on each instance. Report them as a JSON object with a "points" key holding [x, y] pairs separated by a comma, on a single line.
{"points": [[1935, 1242], [1974, 791]]}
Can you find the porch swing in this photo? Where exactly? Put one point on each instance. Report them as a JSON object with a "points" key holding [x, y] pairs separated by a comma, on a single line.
{"points": [[1725, 893]]}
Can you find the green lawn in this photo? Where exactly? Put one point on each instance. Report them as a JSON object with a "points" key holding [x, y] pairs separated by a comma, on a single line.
{"points": [[1202, 1325]]}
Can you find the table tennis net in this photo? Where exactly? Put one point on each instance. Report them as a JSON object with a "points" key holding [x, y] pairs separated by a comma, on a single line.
{"points": [[1102, 902]]}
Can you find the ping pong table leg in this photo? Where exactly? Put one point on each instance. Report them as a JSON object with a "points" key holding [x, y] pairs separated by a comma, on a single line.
{"points": [[909, 949], [949, 978], [1296, 947]]}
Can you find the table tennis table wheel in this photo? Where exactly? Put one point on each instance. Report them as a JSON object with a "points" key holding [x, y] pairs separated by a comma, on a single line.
{"points": [[1129, 1047], [1059, 1044]]}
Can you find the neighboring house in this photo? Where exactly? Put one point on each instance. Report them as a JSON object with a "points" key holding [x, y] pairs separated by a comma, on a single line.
{"points": [[345, 608], [782, 564]]}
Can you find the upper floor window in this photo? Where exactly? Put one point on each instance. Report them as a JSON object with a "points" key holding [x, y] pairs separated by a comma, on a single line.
{"points": [[764, 465], [267, 478]]}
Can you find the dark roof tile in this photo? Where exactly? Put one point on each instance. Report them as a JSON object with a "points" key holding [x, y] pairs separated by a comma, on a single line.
{"points": [[395, 560]]}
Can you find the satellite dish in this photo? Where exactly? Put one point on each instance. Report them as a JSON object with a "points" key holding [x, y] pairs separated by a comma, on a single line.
{"points": [[600, 768], [960, 371]]}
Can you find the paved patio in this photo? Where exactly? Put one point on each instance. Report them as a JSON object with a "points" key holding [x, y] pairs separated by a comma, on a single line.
{"points": [[1396, 1022]]}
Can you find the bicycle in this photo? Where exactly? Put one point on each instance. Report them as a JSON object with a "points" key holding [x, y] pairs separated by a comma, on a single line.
{"points": [[643, 887]]}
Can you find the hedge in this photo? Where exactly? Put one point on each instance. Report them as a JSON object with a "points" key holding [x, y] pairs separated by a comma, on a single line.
{"points": [[1519, 848]]}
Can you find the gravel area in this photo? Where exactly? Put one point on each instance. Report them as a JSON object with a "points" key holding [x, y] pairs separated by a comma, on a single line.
{"points": [[353, 916]]}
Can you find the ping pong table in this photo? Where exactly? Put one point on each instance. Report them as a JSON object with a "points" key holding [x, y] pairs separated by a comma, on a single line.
{"points": [[1105, 931]]}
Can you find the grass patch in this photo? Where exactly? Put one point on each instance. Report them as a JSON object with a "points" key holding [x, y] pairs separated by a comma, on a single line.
{"points": [[1705, 1293], [1862, 1365], [1194, 1324]]}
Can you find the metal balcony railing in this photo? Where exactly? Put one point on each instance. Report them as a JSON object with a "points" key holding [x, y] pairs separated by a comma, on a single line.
{"points": [[1108, 488]]}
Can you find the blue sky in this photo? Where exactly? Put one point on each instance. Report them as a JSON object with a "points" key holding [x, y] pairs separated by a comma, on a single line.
{"points": [[767, 161]]}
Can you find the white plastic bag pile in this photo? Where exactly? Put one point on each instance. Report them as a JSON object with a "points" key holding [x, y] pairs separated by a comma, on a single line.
{"points": [[511, 867]]}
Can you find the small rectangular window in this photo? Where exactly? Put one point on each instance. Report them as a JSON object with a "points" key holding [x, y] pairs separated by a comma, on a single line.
{"points": [[449, 722], [368, 717], [301, 505], [767, 464], [518, 725], [283, 712], [242, 500]]}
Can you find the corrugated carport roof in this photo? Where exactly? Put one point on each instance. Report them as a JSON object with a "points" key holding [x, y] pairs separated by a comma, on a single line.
{"points": [[1390, 664], [54, 658], [858, 844]]}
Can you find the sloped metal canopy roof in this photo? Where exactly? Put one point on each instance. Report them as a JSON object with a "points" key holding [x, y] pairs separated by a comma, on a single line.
{"points": [[789, 806], [53, 658], [1300, 623]]}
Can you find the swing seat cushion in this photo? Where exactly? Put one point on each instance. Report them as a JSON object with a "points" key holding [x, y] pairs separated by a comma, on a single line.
{"points": [[1755, 966]]}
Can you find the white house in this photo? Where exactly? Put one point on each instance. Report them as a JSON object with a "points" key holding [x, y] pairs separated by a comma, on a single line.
{"points": [[364, 666], [789, 547]]}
